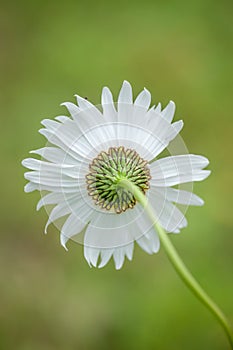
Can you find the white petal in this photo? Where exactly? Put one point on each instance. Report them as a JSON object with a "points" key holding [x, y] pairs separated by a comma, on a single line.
{"points": [[113, 234], [179, 196], [175, 129], [169, 111], [125, 103], [143, 99], [129, 251], [71, 227], [118, 254], [58, 212], [145, 244], [72, 109], [72, 205], [168, 215], [52, 138], [55, 155], [149, 242], [62, 118], [52, 179], [91, 255], [106, 255], [88, 107], [106, 96], [70, 135], [172, 219], [153, 239], [112, 231], [50, 124], [108, 231], [182, 178], [158, 108], [131, 136], [160, 133], [30, 187], [166, 169], [126, 94], [103, 135], [119, 258], [51, 198], [36, 164], [109, 110]]}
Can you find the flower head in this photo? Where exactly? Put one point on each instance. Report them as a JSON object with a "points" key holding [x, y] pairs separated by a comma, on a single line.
{"points": [[91, 151], [106, 171]]}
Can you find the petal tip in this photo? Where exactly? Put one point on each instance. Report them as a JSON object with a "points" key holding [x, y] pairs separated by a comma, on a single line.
{"points": [[202, 202], [63, 244], [126, 82], [38, 206]]}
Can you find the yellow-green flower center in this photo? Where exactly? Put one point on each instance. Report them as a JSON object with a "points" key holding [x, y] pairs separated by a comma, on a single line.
{"points": [[108, 169]]}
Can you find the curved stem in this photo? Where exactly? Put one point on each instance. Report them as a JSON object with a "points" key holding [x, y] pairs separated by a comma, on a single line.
{"points": [[177, 262]]}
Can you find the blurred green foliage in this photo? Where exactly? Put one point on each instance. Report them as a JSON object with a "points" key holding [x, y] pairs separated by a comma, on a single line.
{"points": [[179, 50]]}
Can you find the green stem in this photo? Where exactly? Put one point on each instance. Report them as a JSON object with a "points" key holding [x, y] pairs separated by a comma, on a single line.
{"points": [[176, 261]]}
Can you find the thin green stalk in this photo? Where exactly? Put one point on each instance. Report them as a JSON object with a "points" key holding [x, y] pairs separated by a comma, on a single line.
{"points": [[177, 262]]}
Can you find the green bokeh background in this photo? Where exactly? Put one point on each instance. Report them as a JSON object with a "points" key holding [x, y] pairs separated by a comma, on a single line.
{"points": [[179, 50]]}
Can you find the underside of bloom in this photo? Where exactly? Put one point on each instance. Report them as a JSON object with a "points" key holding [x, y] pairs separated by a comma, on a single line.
{"points": [[91, 151], [108, 169]]}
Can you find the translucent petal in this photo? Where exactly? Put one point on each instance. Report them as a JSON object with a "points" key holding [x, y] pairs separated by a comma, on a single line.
{"points": [[143, 99], [169, 111], [179, 196], [71, 227]]}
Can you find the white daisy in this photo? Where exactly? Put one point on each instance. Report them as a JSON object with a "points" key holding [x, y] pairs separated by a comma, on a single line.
{"points": [[90, 151]]}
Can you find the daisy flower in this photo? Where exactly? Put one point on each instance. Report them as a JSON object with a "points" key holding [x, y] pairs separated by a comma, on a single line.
{"points": [[90, 152]]}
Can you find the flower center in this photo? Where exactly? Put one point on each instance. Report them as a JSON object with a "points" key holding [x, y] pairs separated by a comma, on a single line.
{"points": [[108, 169]]}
